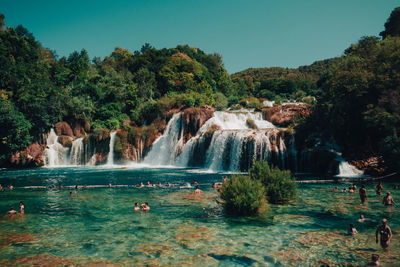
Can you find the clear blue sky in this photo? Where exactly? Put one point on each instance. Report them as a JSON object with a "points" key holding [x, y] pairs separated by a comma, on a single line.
{"points": [[253, 33]]}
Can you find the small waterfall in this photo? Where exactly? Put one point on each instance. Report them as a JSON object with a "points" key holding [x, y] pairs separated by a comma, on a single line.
{"points": [[347, 170], [77, 152], [166, 147], [55, 154], [110, 157]]}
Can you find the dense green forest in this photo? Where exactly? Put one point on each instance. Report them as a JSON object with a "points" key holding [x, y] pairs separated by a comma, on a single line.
{"points": [[355, 96]]}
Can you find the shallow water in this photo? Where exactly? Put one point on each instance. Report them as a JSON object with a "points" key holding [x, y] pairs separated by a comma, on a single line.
{"points": [[98, 224]]}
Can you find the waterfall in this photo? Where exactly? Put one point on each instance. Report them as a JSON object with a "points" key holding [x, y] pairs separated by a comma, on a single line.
{"points": [[224, 143], [166, 147], [55, 153], [77, 152], [347, 170], [110, 157]]}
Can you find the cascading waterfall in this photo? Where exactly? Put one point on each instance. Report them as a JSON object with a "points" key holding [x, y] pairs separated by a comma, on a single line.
{"points": [[110, 157], [55, 153], [77, 152], [347, 170], [224, 143], [167, 147]]}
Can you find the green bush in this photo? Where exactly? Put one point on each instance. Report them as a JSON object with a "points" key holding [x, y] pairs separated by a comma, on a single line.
{"points": [[279, 185], [243, 195], [112, 124], [220, 101]]}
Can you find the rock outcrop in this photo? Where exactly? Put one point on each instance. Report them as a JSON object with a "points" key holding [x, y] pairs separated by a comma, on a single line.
{"points": [[32, 156], [284, 115]]}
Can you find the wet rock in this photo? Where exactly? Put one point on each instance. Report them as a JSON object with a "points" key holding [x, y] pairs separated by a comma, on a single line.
{"points": [[32, 156], [63, 128], [194, 118], [284, 115]]}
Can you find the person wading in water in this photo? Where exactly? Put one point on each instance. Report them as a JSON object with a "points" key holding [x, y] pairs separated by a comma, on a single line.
{"points": [[386, 234]]}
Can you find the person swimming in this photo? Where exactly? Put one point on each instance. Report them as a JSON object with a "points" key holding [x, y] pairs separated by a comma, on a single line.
{"points": [[374, 261], [362, 218], [379, 189], [169, 184], [344, 190], [12, 211], [352, 230], [197, 191], [388, 200], [22, 207], [136, 208], [385, 232], [363, 194], [145, 206]]}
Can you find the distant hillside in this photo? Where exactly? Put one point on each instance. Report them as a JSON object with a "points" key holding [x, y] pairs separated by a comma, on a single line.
{"points": [[311, 72]]}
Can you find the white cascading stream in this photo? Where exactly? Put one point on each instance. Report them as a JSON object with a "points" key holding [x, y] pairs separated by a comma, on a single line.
{"points": [[348, 170], [55, 153], [166, 147], [110, 156], [77, 152], [233, 146]]}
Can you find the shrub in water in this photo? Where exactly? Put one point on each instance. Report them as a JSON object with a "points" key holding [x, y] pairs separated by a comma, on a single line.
{"points": [[279, 185], [243, 195]]}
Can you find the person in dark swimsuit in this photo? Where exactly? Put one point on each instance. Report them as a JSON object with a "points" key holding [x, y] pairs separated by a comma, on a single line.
{"points": [[386, 234], [379, 189], [363, 194]]}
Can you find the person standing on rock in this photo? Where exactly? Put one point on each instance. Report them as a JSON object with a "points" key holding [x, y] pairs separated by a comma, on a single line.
{"points": [[363, 194], [386, 234]]}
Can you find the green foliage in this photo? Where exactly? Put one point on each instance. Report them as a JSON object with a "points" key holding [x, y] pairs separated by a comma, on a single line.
{"points": [[220, 101], [392, 25], [14, 130], [243, 195], [279, 185]]}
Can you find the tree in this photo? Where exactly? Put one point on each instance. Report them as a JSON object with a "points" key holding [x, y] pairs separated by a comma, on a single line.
{"points": [[392, 25]]}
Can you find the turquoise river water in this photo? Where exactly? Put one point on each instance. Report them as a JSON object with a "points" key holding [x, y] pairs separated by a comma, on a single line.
{"points": [[96, 226]]}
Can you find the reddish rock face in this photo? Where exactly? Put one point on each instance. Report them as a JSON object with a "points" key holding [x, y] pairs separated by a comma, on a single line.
{"points": [[32, 156], [194, 118], [284, 115], [63, 128]]}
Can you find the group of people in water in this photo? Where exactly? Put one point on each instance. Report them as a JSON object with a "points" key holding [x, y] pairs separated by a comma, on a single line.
{"points": [[383, 234]]}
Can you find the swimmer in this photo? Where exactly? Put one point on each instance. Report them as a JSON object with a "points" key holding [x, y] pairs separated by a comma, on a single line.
{"points": [[354, 187], [344, 190], [197, 191], [394, 187], [60, 186], [149, 184], [375, 261], [11, 187], [109, 185], [195, 182], [12, 211], [352, 230], [70, 193], [388, 200], [362, 219], [145, 206], [336, 188], [22, 207], [159, 184], [386, 234], [85, 186], [351, 190], [136, 208], [169, 184], [363, 194], [76, 187], [379, 189]]}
